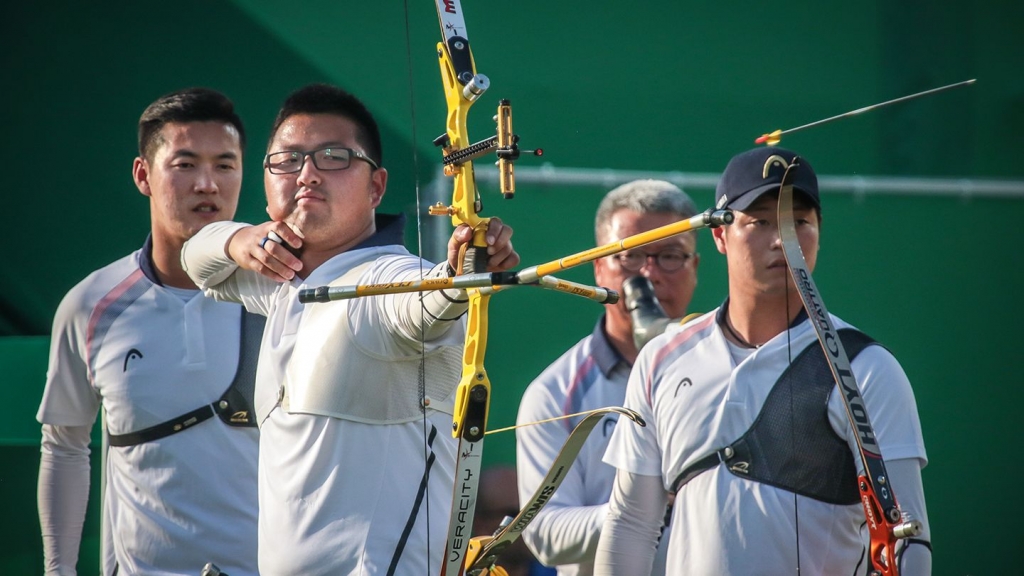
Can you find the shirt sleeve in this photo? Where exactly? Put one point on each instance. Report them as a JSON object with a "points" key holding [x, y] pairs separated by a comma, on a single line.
{"points": [[431, 313], [67, 411], [204, 257], [890, 405], [635, 448], [63, 495], [632, 527], [399, 323], [566, 530], [915, 555], [892, 410], [69, 399]]}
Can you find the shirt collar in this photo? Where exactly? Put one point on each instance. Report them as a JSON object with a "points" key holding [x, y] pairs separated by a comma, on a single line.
{"points": [[606, 356], [724, 309], [390, 230], [146, 261]]}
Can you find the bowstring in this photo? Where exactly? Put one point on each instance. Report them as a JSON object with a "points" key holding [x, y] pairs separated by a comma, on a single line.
{"points": [[792, 431], [542, 421], [792, 380], [421, 383]]}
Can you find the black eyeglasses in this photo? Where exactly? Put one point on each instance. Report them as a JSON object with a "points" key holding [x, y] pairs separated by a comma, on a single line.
{"points": [[291, 161], [667, 260]]}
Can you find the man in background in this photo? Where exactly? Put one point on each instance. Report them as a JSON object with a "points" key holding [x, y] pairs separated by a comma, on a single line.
{"points": [[593, 373], [138, 340]]}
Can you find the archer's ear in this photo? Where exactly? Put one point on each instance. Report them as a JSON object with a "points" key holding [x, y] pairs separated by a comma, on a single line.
{"points": [[719, 236], [378, 185], [140, 174]]}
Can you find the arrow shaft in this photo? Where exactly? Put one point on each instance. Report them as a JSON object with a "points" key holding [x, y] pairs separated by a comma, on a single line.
{"points": [[880, 104]]}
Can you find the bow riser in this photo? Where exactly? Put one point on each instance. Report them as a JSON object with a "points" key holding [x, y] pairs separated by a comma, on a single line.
{"points": [[474, 391], [464, 208], [462, 86]]}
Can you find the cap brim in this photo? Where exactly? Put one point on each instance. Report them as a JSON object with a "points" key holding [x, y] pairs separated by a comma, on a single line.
{"points": [[743, 201]]}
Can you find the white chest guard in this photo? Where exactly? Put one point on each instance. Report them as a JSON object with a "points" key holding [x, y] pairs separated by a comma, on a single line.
{"points": [[331, 373]]}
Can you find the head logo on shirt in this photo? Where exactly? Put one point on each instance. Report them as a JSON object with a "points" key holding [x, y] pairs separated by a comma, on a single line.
{"points": [[683, 382], [608, 426], [131, 355]]}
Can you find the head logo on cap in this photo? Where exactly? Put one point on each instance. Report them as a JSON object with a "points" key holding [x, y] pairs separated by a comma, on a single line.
{"points": [[759, 171], [774, 161]]}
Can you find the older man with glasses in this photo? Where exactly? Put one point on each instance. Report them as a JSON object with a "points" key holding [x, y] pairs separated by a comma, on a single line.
{"points": [[594, 372]]}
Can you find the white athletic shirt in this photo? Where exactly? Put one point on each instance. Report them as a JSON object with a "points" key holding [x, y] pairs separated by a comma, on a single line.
{"points": [[124, 343], [338, 496], [696, 400], [588, 376]]}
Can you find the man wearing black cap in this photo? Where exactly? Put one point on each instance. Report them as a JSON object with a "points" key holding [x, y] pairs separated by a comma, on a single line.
{"points": [[744, 424]]}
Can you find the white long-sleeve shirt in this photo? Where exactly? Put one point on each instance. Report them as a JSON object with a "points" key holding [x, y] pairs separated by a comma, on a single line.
{"points": [[342, 494], [145, 354]]}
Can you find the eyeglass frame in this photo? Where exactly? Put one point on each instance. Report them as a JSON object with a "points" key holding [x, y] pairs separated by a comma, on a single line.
{"points": [[621, 256], [352, 153]]}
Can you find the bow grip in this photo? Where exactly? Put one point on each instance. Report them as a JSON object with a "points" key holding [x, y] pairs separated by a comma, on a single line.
{"points": [[474, 259]]}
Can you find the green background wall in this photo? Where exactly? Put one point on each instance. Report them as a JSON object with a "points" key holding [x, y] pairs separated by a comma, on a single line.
{"points": [[659, 86]]}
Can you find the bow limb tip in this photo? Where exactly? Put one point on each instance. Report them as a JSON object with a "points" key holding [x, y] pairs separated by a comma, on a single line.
{"points": [[629, 413]]}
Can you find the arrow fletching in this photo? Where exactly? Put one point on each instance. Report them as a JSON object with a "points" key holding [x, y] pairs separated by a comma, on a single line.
{"points": [[770, 139]]}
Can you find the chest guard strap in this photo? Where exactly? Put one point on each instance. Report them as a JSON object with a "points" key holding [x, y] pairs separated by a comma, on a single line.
{"points": [[234, 407], [791, 444]]}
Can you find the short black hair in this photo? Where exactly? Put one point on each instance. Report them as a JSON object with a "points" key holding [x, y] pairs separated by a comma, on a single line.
{"points": [[327, 99], [188, 105]]}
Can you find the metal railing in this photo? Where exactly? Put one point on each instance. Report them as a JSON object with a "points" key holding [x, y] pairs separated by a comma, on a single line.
{"points": [[436, 231]]}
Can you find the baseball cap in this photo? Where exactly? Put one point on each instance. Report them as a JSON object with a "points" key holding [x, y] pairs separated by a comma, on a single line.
{"points": [[755, 172]]}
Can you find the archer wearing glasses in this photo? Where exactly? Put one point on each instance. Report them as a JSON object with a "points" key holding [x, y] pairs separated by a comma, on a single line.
{"points": [[292, 161], [362, 446]]}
